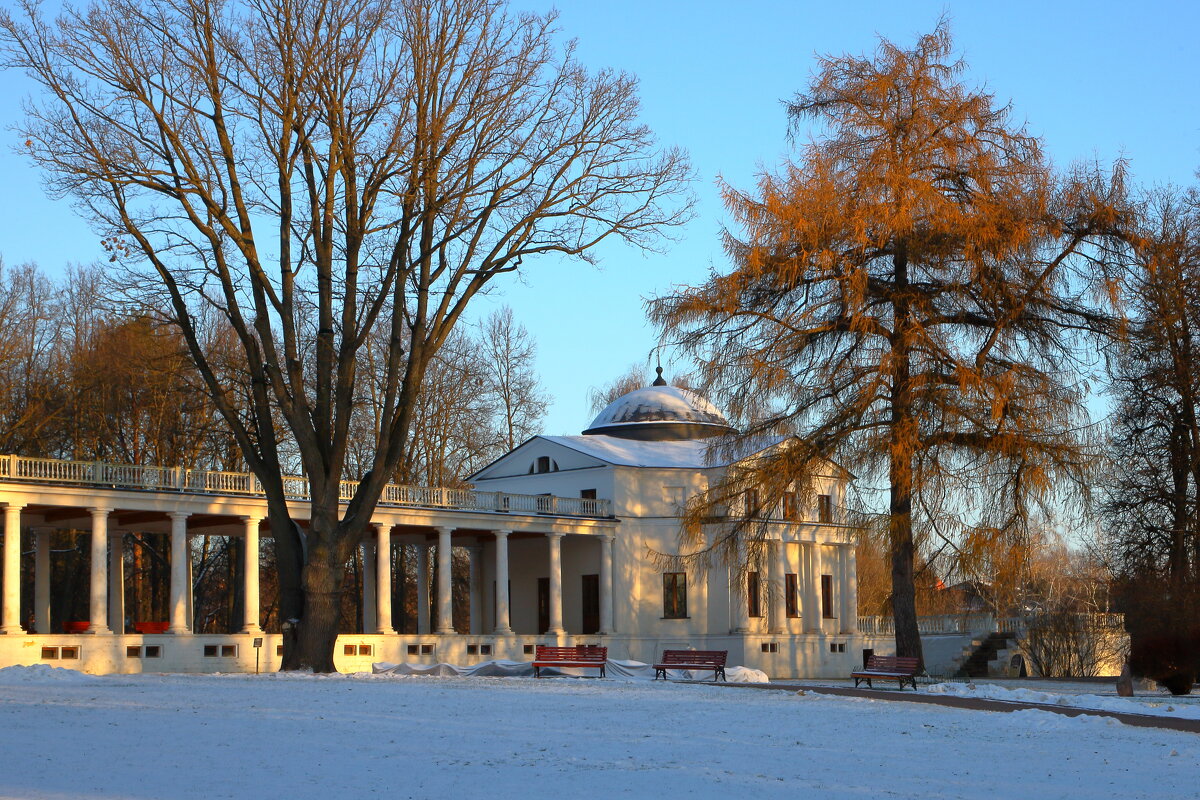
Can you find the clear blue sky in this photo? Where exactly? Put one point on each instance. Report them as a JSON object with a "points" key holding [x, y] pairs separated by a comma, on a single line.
{"points": [[1094, 79]]}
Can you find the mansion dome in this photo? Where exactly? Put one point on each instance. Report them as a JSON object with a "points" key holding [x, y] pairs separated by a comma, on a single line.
{"points": [[660, 413]]}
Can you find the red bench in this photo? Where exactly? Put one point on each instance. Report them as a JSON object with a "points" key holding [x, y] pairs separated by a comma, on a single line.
{"points": [[76, 626], [897, 668], [151, 627], [582, 656], [692, 660]]}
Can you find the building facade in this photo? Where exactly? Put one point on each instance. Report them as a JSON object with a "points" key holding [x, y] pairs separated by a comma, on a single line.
{"points": [[564, 537]]}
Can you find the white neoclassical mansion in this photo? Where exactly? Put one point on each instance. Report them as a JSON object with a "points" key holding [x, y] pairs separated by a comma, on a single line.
{"points": [[569, 524]]}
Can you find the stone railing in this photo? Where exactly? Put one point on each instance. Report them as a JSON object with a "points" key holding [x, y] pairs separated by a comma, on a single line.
{"points": [[201, 481], [972, 624]]}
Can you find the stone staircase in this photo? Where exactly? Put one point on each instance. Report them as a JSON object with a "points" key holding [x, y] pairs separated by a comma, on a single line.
{"points": [[986, 657]]}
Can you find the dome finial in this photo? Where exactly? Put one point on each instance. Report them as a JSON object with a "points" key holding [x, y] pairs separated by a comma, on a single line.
{"points": [[659, 380]]}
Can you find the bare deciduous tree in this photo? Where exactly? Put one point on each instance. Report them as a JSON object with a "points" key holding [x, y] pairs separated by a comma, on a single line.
{"points": [[318, 171]]}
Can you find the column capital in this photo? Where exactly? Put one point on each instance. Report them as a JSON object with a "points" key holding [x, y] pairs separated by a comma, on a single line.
{"points": [[177, 515], [100, 511], [554, 535], [503, 534], [377, 524], [444, 528], [250, 520], [13, 506]]}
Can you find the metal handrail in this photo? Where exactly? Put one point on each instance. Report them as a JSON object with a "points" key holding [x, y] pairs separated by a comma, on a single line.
{"points": [[295, 487]]}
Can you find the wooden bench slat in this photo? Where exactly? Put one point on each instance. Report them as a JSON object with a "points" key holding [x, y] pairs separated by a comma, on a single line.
{"points": [[692, 660], [581, 656], [902, 669]]}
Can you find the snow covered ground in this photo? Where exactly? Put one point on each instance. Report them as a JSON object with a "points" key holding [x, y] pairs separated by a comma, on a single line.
{"points": [[66, 735]]}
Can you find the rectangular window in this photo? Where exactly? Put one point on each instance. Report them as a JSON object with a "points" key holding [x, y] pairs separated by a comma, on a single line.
{"points": [[133, 651], [753, 595], [791, 506], [279, 650], [527, 649], [349, 650], [587, 494], [152, 651], [791, 594], [543, 464], [675, 595], [824, 508], [426, 649], [675, 497], [827, 596], [68, 652], [472, 649], [485, 649], [414, 649], [49, 653], [750, 503], [210, 651], [229, 651], [770, 647]]}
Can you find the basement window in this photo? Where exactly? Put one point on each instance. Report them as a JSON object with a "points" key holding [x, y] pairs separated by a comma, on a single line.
{"points": [[68, 652], [229, 651], [414, 649], [837, 647], [528, 649], [133, 651], [426, 649], [152, 651], [472, 649], [485, 649], [770, 647], [49, 653]]}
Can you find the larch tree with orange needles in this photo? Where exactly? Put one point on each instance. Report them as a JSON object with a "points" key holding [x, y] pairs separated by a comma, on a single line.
{"points": [[910, 297]]}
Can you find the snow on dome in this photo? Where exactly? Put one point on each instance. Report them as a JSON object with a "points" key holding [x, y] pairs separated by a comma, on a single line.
{"points": [[660, 413]]}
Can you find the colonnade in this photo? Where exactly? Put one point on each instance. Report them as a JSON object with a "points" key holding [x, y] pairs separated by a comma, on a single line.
{"points": [[377, 595], [106, 590]]}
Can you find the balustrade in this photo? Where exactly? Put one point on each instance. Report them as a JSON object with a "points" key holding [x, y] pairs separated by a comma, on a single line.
{"points": [[128, 476]]}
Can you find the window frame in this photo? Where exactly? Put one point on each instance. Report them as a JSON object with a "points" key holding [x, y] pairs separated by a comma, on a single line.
{"points": [[827, 604], [675, 595], [791, 595]]}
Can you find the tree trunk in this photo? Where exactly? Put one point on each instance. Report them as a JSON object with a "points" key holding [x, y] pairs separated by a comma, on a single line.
{"points": [[318, 629], [903, 433]]}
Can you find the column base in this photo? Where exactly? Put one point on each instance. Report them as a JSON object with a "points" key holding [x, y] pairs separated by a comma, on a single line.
{"points": [[102, 630], [503, 632], [179, 631], [12, 630], [386, 632], [253, 629], [445, 632]]}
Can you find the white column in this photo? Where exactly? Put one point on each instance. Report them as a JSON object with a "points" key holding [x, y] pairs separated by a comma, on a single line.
{"points": [[502, 620], [250, 555], [383, 577], [180, 574], [606, 589], [10, 616], [444, 568], [191, 588], [367, 549], [116, 582], [475, 552], [422, 588], [555, 542], [776, 593], [739, 593], [808, 588], [848, 588], [41, 582], [98, 592]]}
